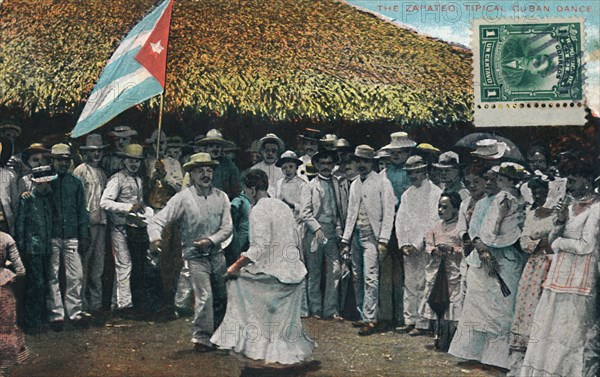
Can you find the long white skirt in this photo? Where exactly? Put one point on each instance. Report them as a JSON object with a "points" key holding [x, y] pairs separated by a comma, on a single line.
{"points": [[262, 321], [484, 325], [564, 337]]}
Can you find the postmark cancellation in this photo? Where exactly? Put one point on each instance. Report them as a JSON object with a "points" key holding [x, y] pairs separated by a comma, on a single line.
{"points": [[528, 73]]}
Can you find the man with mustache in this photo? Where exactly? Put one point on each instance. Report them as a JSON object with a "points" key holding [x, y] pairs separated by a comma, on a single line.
{"points": [[204, 214], [270, 146], [368, 225], [323, 213], [123, 200], [70, 231], [94, 181], [415, 217]]}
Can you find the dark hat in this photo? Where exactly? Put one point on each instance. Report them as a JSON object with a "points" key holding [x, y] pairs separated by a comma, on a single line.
{"points": [[324, 153], [310, 134], [11, 124]]}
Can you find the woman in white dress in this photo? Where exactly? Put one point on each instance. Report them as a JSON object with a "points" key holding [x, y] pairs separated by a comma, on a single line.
{"points": [[566, 318], [486, 317], [262, 321]]}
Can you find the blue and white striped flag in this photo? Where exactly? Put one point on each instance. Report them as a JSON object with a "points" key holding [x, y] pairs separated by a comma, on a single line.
{"points": [[134, 73]]}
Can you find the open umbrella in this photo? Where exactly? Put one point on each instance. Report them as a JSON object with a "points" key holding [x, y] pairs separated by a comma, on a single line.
{"points": [[470, 142]]}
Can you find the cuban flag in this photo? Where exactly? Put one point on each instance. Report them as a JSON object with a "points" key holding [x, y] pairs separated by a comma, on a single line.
{"points": [[134, 73]]}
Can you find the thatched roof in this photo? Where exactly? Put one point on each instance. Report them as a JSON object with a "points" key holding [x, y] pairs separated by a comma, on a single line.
{"points": [[282, 60]]}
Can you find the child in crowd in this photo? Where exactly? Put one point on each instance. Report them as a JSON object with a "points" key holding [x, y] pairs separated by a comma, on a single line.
{"points": [[444, 243]]}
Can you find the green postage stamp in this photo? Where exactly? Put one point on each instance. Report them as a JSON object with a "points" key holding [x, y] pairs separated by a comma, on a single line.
{"points": [[528, 73]]}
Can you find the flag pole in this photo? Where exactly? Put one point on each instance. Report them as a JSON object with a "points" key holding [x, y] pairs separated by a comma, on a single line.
{"points": [[160, 112]]}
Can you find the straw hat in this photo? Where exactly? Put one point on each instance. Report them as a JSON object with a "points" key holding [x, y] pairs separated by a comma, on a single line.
{"points": [[342, 145], [510, 169], [364, 151], [415, 163], [271, 138], [400, 140], [328, 141], [33, 149], [490, 149], [447, 160], [132, 151], [382, 153], [215, 136], [199, 159], [93, 142], [288, 156], [60, 151], [122, 131], [43, 174]]}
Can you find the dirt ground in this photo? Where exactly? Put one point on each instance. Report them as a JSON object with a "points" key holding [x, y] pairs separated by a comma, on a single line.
{"points": [[143, 348]]}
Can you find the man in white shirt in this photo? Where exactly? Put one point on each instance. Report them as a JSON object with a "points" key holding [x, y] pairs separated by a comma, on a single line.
{"points": [[94, 181], [416, 216], [270, 147], [369, 224], [204, 213], [123, 200]]}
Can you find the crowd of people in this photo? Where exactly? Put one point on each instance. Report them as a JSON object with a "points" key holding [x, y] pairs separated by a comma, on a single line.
{"points": [[493, 254]]}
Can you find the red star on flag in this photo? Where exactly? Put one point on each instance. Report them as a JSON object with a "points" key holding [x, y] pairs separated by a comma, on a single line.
{"points": [[150, 55]]}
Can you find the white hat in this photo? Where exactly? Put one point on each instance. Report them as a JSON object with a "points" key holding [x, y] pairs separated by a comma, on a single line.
{"points": [[490, 149]]}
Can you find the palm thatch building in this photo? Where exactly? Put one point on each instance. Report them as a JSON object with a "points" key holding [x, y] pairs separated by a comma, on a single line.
{"points": [[277, 61]]}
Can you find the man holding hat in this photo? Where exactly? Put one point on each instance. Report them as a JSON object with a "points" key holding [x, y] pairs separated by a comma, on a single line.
{"points": [[323, 214], [270, 146], [204, 212], [369, 226], [33, 235], [70, 231], [391, 273], [416, 216], [123, 199], [32, 157], [122, 136], [94, 181]]}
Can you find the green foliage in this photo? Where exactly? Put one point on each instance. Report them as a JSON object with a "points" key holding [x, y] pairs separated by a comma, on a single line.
{"points": [[281, 60]]}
